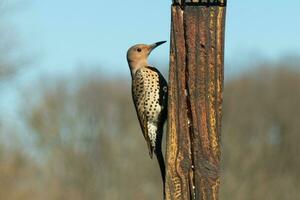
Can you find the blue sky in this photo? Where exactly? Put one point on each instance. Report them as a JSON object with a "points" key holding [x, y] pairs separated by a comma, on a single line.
{"points": [[66, 34]]}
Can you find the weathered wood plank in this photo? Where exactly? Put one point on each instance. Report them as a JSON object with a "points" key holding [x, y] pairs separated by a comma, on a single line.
{"points": [[205, 98], [195, 102], [178, 158]]}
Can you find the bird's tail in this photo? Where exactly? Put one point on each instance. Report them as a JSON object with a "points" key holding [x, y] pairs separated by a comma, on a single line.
{"points": [[161, 162], [160, 157], [162, 167]]}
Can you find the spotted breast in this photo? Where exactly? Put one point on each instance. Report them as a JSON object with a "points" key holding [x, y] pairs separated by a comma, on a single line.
{"points": [[149, 91]]}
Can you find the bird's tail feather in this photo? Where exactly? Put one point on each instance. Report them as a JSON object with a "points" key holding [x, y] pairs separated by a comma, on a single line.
{"points": [[161, 163], [160, 157]]}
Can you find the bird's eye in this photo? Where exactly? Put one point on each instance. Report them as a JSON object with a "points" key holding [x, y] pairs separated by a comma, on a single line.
{"points": [[139, 49]]}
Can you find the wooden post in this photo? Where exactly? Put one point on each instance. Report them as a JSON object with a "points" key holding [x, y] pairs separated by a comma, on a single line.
{"points": [[195, 100]]}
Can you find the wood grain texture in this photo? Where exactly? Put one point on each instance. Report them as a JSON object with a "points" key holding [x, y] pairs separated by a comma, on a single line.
{"points": [[179, 155], [195, 102]]}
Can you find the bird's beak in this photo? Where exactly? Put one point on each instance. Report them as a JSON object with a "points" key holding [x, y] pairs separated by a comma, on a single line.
{"points": [[153, 46]]}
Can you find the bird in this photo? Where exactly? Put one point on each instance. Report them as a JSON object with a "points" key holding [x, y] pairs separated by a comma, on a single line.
{"points": [[149, 93]]}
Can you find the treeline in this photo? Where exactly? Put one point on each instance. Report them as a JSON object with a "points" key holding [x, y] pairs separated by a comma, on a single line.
{"points": [[86, 142]]}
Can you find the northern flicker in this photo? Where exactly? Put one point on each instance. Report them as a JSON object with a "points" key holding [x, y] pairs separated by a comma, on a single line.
{"points": [[149, 92]]}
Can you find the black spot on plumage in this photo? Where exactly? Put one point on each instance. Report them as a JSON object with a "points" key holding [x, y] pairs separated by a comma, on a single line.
{"points": [[148, 85]]}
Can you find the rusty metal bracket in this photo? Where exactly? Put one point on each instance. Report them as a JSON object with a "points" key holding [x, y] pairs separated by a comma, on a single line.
{"points": [[207, 3]]}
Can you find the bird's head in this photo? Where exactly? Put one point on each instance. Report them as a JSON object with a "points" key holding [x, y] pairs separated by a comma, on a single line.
{"points": [[137, 55]]}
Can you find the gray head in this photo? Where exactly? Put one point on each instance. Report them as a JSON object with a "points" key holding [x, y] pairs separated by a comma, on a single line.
{"points": [[137, 55]]}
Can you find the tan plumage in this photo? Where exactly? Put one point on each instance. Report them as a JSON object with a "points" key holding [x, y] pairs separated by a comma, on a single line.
{"points": [[149, 92]]}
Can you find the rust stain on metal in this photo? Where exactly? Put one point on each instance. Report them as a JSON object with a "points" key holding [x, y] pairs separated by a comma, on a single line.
{"points": [[201, 2]]}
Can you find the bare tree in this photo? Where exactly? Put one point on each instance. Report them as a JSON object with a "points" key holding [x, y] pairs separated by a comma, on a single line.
{"points": [[10, 60], [260, 138], [89, 143]]}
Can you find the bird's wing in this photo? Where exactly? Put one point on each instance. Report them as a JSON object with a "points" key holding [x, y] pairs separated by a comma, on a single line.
{"points": [[139, 95], [163, 92]]}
